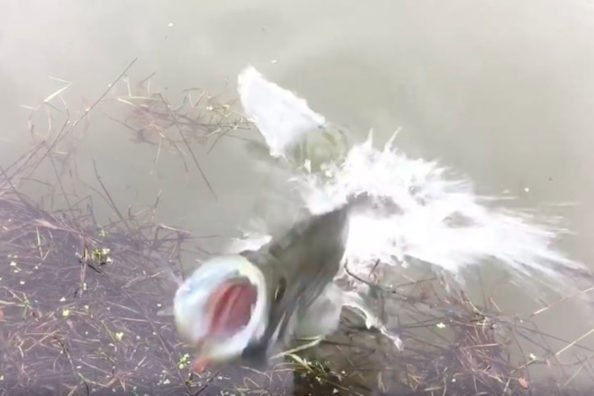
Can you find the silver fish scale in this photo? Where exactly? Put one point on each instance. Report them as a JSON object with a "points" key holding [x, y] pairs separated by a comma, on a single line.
{"points": [[302, 262]]}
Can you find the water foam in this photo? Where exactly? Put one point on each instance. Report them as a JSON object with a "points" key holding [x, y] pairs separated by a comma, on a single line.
{"points": [[437, 219]]}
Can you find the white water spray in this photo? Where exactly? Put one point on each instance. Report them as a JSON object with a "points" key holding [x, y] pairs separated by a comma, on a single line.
{"points": [[437, 220]]}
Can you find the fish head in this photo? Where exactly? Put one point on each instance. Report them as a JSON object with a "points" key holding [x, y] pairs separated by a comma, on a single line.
{"points": [[221, 307]]}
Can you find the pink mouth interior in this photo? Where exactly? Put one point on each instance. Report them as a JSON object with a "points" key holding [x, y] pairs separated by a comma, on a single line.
{"points": [[230, 307]]}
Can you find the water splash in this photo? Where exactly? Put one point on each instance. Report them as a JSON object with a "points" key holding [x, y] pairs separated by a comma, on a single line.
{"points": [[434, 219], [281, 117]]}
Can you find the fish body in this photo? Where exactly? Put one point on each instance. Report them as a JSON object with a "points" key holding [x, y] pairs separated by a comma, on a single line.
{"points": [[244, 306]]}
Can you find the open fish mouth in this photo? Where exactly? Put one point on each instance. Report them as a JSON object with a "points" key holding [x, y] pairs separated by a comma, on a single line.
{"points": [[222, 306], [229, 307]]}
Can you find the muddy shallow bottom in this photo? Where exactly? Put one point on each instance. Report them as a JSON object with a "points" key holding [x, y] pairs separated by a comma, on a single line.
{"points": [[81, 310]]}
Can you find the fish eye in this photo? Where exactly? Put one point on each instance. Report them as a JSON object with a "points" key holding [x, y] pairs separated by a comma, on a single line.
{"points": [[280, 290]]}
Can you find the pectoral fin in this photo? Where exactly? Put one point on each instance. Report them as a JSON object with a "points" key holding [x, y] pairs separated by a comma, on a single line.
{"points": [[357, 303]]}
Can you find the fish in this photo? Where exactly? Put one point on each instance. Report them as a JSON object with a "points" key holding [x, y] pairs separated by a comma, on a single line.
{"points": [[247, 306]]}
